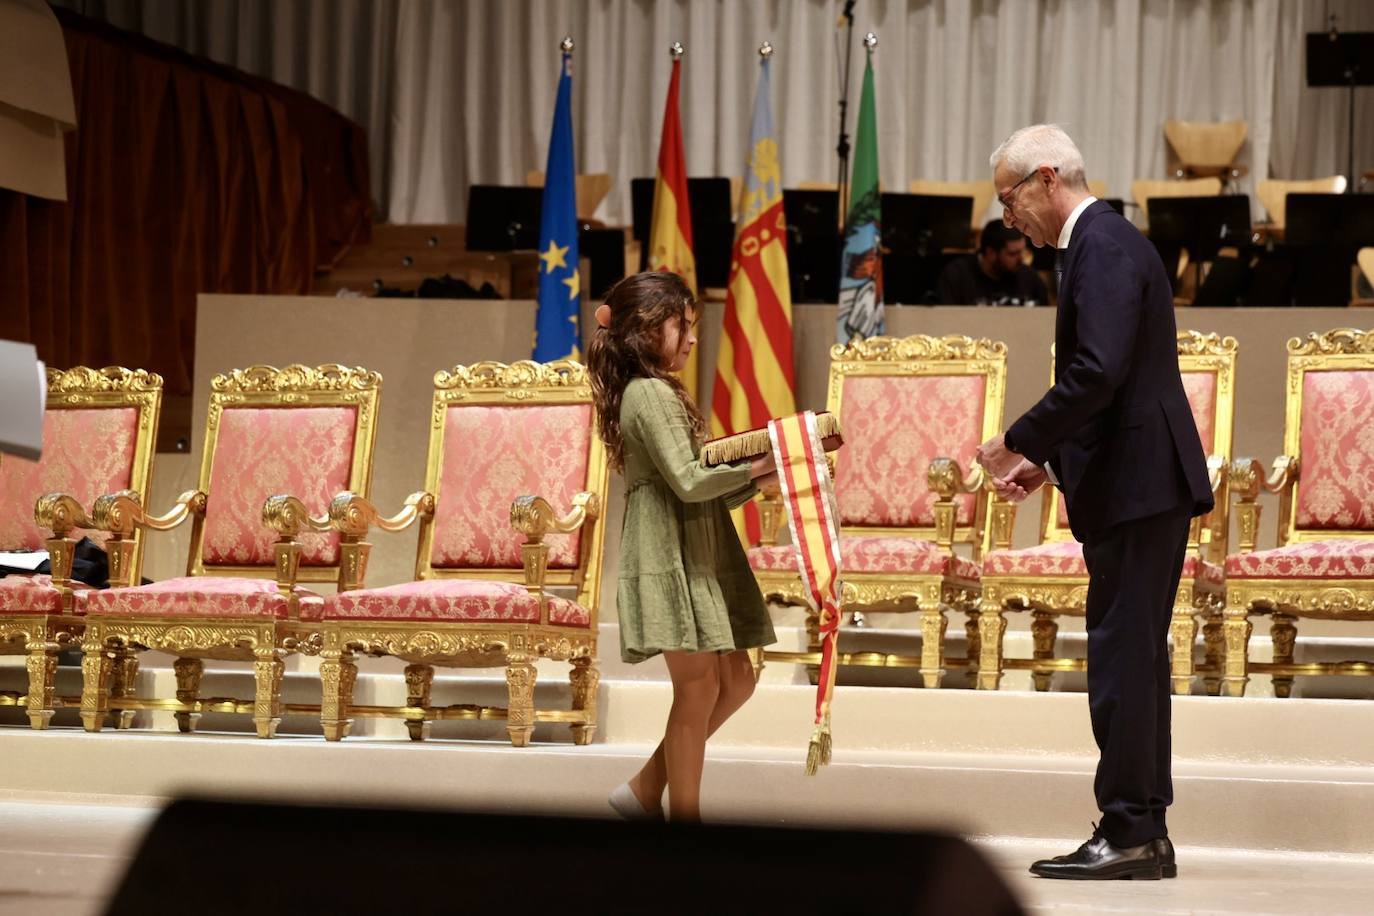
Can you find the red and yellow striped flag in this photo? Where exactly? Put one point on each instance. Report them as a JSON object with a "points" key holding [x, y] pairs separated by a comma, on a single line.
{"points": [[754, 372], [670, 230]]}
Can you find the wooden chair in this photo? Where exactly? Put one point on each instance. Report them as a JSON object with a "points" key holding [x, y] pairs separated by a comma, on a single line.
{"points": [[1097, 188], [500, 433], [1274, 194], [1206, 148], [1051, 579], [99, 430], [982, 193], [914, 411], [1142, 189], [1324, 565], [300, 430], [591, 189]]}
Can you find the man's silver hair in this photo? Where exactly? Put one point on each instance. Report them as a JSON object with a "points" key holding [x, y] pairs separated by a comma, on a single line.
{"points": [[1042, 144]]}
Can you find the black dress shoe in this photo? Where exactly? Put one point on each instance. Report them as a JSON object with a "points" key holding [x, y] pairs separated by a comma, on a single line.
{"points": [[1099, 860], [1168, 868]]}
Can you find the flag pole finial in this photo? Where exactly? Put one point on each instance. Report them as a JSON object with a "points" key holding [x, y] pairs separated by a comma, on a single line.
{"points": [[870, 41], [766, 50], [676, 50], [566, 44]]}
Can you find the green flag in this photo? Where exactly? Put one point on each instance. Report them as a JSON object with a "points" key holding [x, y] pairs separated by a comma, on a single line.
{"points": [[861, 262]]}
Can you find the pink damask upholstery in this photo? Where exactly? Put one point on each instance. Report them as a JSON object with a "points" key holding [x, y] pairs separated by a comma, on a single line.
{"points": [[470, 600], [1336, 482], [37, 595], [874, 555], [1338, 558], [1201, 388], [304, 451], [894, 426], [491, 456], [1065, 558], [87, 453], [202, 596]]}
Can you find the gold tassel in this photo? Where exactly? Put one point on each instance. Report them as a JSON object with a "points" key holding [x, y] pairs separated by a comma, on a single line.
{"points": [[818, 751]]}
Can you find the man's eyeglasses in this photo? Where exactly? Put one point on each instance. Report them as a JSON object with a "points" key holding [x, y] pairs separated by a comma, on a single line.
{"points": [[1008, 197]]}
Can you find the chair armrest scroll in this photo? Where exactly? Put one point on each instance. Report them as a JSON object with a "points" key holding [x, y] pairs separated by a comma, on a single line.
{"points": [[1247, 479], [946, 479], [534, 517]]}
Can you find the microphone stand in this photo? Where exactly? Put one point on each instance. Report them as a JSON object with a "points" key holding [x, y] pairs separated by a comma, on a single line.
{"points": [[842, 148]]}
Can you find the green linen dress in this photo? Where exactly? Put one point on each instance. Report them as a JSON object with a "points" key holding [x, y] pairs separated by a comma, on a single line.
{"points": [[685, 582]]}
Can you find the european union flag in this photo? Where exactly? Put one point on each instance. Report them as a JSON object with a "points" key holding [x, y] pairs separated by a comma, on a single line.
{"points": [[560, 287]]}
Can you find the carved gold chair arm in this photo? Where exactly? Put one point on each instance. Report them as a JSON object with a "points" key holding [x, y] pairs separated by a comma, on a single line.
{"points": [[772, 516], [534, 517], [287, 516], [947, 480], [1002, 518], [1247, 479], [352, 515], [122, 513], [61, 513]]}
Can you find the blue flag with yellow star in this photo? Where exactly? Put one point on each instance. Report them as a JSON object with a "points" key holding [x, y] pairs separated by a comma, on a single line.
{"points": [[556, 326]]}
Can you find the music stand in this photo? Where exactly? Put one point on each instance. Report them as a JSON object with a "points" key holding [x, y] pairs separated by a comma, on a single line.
{"points": [[916, 231], [713, 229], [1343, 59], [1203, 225], [503, 218], [1323, 232], [813, 244]]}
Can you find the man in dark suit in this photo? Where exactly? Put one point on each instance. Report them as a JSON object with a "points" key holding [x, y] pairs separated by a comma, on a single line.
{"points": [[1116, 435]]}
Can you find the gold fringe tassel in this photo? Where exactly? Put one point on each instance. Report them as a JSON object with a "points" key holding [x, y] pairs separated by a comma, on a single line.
{"points": [[819, 751], [755, 442]]}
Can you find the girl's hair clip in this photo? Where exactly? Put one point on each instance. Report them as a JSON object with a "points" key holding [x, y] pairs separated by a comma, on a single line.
{"points": [[603, 315]]}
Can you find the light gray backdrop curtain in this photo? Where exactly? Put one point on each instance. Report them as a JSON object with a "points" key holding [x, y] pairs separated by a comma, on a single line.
{"points": [[454, 92]]}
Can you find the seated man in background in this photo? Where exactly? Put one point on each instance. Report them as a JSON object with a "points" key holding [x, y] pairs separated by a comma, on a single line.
{"points": [[995, 275]]}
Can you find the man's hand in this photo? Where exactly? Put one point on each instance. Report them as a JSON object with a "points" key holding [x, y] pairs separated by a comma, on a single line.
{"points": [[1023, 480], [996, 458]]}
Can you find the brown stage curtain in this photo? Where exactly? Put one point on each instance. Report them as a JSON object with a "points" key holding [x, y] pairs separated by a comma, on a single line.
{"points": [[183, 177]]}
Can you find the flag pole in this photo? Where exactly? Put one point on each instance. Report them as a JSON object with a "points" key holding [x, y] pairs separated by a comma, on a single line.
{"points": [[842, 147]]}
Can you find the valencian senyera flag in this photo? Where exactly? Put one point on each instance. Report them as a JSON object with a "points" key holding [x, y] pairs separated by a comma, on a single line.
{"points": [[670, 230], [861, 262], [754, 372], [556, 333]]}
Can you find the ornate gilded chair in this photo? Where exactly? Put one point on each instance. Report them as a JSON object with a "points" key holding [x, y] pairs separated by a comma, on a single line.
{"points": [[914, 411], [299, 430], [1324, 565], [500, 433], [99, 430], [1051, 580]]}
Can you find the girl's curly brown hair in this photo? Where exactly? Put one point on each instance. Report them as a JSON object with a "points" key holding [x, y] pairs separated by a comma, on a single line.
{"points": [[629, 348]]}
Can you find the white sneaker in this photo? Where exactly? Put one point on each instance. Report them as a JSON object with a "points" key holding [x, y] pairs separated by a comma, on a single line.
{"points": [[626, 804]]}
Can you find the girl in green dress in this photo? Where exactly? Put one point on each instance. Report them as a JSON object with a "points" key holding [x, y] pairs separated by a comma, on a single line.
{"points": [[685, 589]]}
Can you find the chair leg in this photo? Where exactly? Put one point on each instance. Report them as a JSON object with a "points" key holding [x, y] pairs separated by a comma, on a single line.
{"points": [[268, 669], [1284, 634], [42, 665], [992, 625], [973, 641], [520, 677], [586, 680], [934, 622], [419, 681], [337, 676], [188, 673], [96, 668], [1214, 643], [1044, 631], [125, 665], [1183, 633], [1236, 629]]}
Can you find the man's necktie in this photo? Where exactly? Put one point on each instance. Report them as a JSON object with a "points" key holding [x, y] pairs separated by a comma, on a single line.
{"points": [[1058, 267]]}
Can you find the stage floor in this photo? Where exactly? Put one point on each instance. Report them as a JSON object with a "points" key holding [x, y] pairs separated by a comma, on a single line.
{"points": [[65, 859]]}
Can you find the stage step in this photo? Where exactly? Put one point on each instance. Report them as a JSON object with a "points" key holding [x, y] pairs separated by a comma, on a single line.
{"points": [[1324, 808]]}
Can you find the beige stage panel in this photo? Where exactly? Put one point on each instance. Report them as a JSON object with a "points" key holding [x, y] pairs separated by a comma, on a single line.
{"points": [[407, 340]]}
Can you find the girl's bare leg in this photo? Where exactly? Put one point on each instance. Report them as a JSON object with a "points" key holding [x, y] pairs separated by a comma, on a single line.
{"points": [[736, 678]]}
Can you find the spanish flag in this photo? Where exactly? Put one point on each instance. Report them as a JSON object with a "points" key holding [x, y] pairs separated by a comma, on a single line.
{"points": [[754, 372], [670, 230]]}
